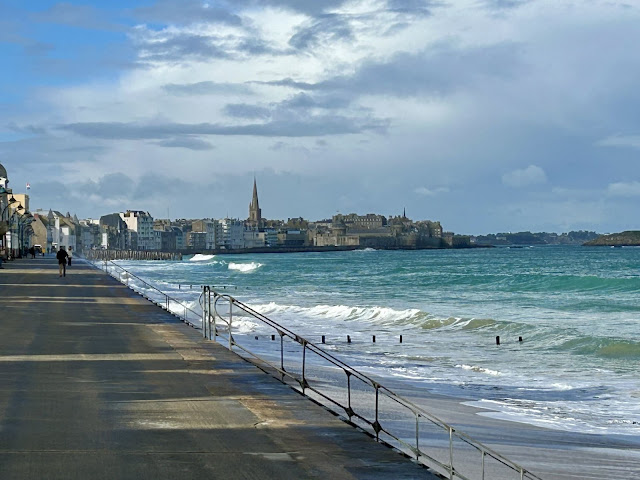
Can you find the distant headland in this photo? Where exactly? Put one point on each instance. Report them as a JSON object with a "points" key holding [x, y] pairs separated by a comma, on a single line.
{"points": [[629, 238]]}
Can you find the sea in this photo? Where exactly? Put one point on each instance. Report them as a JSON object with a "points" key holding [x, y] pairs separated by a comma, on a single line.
{"points": [[568, 318]]}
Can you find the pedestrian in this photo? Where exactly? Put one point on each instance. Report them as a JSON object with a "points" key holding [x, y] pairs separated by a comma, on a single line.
{"points": [[32, 252], [70, 255], [62, 261]]}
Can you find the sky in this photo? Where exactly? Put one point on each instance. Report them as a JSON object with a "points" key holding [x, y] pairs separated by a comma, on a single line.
{"points": [[485, 115]]}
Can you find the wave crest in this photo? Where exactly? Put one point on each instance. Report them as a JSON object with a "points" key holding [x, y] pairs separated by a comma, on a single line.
{"points": [[375, 315], [198, 257], [244, 267]]}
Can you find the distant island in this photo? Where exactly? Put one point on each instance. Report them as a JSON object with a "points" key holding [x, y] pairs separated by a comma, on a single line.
{"points": [[540, 238], [630, 238]]}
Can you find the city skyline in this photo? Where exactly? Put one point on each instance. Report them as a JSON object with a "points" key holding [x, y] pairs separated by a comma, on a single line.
{"points": [[489, 116]]}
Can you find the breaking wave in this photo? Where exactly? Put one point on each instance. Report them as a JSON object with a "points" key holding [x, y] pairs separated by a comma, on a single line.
{"points": [[375, 315], [244, 267], [198, 257]]}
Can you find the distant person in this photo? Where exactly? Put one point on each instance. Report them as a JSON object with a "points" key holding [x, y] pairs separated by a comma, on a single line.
{"points": [[32, 252], [62, 261], [70, 256]]}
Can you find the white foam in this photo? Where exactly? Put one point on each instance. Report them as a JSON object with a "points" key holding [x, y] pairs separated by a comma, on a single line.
{"points": [[244, 267], [475, 368], [198, 257], [378, 315]]}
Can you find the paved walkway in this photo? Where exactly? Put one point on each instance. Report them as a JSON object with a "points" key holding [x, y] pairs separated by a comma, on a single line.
{"points": [[98, 383]]}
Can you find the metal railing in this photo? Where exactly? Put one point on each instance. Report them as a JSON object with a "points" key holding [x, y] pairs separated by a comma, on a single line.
{"points": [[343, 389], [365, 402], [164, 301]]}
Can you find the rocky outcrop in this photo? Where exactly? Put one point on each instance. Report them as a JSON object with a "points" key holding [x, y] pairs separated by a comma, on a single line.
{"points": [[630, 238]]}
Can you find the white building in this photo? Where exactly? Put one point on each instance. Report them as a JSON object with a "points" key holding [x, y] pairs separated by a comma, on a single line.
{"points": [[142, 223], [63, 232], [230, 233]]}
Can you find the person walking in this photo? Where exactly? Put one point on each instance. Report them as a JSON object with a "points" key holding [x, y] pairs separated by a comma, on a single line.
{"points": [[70, 255], [62, 261]]}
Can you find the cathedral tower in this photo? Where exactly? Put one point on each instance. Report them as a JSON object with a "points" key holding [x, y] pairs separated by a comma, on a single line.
{"points": [[255, 213]]}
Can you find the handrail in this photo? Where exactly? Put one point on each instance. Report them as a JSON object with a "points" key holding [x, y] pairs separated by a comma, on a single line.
{"points": [[168, 300], [304, 383]]}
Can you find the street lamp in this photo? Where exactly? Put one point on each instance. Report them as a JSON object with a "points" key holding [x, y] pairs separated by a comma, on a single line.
{"points": [[21, 220], [9, 203]]}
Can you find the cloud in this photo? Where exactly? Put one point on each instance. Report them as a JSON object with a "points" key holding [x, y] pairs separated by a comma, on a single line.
{"points": [[323, 30], [302, 127], [309, 8], [207, 88], [109, 186], [186, 12], [50, 150], [632, 141], [428, 192], [181, 47], [243, 110], [504, 4], [188, 143], [439, 70], [26, 129], [531, 175], [624, 189]]}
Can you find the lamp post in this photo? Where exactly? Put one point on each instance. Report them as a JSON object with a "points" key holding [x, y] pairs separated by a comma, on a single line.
{"points": [[4, 226], [21, 219], [27, 218]]}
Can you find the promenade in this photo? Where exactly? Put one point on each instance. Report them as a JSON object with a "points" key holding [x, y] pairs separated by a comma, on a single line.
{"points": [[98, 383]]}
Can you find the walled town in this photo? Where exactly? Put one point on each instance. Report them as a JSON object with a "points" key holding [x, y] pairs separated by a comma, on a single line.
{"points": [[135, 231]]}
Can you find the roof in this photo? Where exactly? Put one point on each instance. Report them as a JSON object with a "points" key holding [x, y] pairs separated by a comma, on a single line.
{"points": [[3, 172]]}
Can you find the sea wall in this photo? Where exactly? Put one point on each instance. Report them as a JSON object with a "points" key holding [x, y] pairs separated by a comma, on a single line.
{"points": [[131, 255]]}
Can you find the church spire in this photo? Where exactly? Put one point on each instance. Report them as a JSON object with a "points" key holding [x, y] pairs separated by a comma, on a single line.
{"points": [[255, 213]]}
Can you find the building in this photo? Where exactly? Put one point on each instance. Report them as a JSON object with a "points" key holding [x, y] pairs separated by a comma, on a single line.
{"points": [[62, 231], [142, 223], [115, 235], [355, 222], [254, 238], [196, 240], [209, 227], [230, 234]]}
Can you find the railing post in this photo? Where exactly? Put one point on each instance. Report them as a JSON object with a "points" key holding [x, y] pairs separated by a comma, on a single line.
{"points": [[304, 356], [418, 436], [376, 424], [281, 354], [215, 330], [350, 410], [450, 453], [205, 311], [230, 321]]}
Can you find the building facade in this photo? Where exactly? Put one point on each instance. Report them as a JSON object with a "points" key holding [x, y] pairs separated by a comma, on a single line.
{"points": [[142, 223]]}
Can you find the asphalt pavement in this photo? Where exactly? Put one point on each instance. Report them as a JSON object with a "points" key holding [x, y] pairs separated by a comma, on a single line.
{"points": [[98, 383]]}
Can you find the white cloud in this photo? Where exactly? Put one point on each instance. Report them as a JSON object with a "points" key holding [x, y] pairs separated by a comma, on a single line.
{"points": [[624, 189], [532, 175]]}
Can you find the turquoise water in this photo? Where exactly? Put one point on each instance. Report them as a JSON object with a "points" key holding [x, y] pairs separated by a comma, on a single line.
{"points": [[577, 309]]}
